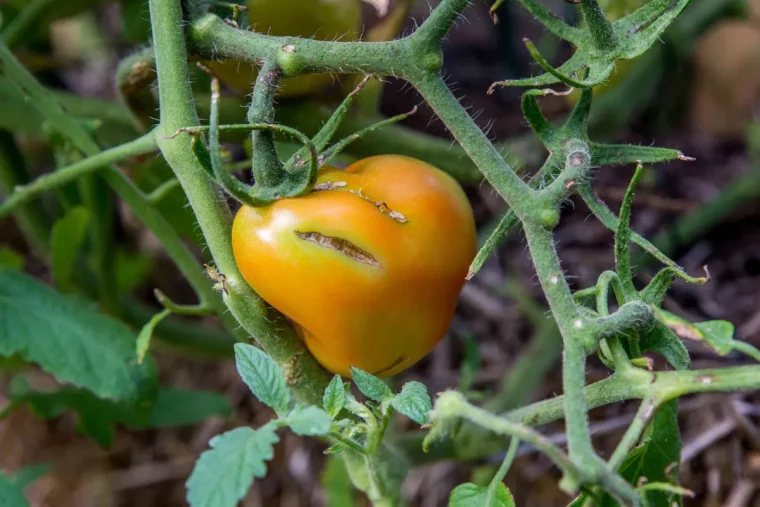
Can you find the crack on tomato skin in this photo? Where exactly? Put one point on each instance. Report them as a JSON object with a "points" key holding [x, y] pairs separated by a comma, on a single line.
{"points": [[380, 205], [344, 246], [395, 363]]}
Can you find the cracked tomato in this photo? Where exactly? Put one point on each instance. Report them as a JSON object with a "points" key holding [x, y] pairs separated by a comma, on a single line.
{"points": [[368, 265]]}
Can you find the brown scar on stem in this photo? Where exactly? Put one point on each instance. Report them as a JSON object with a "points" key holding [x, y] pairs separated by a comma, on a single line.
{"points": [[340, 244], [380, 205], [392, 365]]}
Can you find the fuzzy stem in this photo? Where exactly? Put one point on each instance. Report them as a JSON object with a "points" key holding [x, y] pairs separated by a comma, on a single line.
{"points": [[177, 111]]}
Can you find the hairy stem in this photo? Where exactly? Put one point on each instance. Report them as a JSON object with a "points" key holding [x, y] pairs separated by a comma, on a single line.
{"points": [[177, 111]]}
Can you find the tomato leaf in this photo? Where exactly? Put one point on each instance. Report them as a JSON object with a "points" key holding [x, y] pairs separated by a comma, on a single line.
{"points": [[263, 376], [9, 258], [223, 474], [371, 386], [309, 420], [335, 396], [65, 241], [68, 338], [661, 339], [337, 483], [146, 333], [657, 458], [413, 401], [185, 407], [472, 495], [96, 417], [717, 334], [30, 473], [11, 495]]}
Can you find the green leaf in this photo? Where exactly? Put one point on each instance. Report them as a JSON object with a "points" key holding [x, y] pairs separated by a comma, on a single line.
{"points": [[143, 339], [371, 386], [223, 474], [661, 339], [335, 396], [65, 241], [309, 420], [263, 376], [472, 495], [337, 483], [413, 401], [96, 417], [11, 495], [131, 269], [717, 334], [30, 473], [185, 407], [657, 457], [9, 258], [68, 338]]}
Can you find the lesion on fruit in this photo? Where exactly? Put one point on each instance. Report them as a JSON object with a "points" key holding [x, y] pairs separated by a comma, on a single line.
{"points": [[342, 245], [391, 366], [382, 206]]}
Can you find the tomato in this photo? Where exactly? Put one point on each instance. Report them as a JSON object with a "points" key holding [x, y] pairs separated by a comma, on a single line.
{"points": [[368, 266], [318, 19]]}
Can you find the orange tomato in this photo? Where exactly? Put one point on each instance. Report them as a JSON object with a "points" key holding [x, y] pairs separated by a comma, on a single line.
{"points": [[368, 266]]}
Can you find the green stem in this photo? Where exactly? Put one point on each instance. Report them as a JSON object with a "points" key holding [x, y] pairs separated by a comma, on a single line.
{"points": [[509, 457], [453, 405], [177, 111], [266, 165], [518, 195], [31, 220], [23, 193], [602, 32], [633, 433]]}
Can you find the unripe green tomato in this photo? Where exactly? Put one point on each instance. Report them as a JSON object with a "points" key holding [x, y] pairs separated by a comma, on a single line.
{"points": [[317, 19]]}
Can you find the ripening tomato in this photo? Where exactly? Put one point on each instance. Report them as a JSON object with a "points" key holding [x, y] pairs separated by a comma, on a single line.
{"points": [[368, 266], [318, 19]]}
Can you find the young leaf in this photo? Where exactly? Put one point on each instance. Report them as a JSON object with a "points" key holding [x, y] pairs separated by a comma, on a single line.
{"points": [[371, 386], [143, 338], [661, 339], [263, 376], [337, 483], [657, 457], [11, 495], [65, 241], [472, 495], [413, 401], [309, 420], [335, 396], [223, 474], [68, 338]]}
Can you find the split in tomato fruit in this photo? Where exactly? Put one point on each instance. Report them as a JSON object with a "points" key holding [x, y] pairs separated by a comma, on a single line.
{"points": [[368, 265]]}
